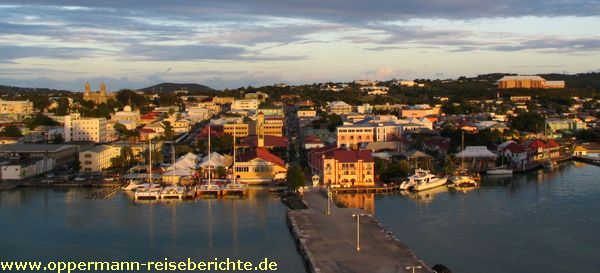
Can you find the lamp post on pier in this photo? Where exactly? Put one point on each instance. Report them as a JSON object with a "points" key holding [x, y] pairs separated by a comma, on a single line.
{"points": [[329, 195], [412, 268], [357, 216]]}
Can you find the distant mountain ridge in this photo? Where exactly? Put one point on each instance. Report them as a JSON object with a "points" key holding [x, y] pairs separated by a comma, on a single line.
{"points": [[169, 87], [16, 89]]}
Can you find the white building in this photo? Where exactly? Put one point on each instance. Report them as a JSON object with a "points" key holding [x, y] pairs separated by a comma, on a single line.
{"points": [[22, 169], [16, 107], [128, 117], [79, 128]]}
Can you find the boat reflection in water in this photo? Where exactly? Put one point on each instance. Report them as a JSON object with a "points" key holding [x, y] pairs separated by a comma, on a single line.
{"points": [[365, 201], [425, 196]]}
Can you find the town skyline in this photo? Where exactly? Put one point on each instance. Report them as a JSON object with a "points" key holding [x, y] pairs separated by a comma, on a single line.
{"points": [[230, 45]]}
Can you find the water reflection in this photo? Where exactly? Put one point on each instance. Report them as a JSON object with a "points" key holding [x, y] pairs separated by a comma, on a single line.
{"points": [[49, 224], [365, 201]]}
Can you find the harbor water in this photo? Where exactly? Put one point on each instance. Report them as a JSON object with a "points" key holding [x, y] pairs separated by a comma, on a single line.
{"points": [[542, 221], [61, 225]]}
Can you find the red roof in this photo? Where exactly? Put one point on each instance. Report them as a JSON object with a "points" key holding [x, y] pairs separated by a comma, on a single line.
{"points": [[515, 148], [552, 144], [270, 141], [146, 131], [261, 153], [537, 144], [352, 156]]}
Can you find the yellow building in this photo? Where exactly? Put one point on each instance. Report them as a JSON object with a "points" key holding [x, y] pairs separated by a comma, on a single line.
{"points": [[262, 126], [16, 107], [98, 158], [223, 100], [259, 166], [342, 168], [537, 82], [240, 129], [101, 96], [351, 136]]}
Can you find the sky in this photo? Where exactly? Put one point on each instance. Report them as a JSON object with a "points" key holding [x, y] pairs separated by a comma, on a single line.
{"points": [[233, 43]]}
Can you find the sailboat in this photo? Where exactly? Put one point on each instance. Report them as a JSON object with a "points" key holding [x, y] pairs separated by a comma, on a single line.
{"points": [[148, 191], [209, 188], [235, 188], [462, 179], [173, 191]]}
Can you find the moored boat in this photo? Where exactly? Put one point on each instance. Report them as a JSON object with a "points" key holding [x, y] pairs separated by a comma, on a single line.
{"points": [[423, 180], [502, 170]]}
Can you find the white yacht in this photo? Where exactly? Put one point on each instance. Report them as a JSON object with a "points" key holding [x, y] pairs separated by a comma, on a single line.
{"points": [[422, 180]]}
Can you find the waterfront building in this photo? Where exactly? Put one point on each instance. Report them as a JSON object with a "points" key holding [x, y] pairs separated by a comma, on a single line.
{"points": [[342, 168], [98, 158], [580, 151], [476, 158], [517, 154], [339, 108], [259, 166], [25, 168], [78, 128], [528, 82], [101, 96], [59, 153]]}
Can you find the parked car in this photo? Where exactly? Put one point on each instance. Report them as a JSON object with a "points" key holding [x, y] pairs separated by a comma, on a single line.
{"points": [[79, 178]]}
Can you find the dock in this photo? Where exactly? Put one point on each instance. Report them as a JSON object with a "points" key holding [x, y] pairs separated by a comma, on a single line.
{"points": [[329, 242], [588, 159]]}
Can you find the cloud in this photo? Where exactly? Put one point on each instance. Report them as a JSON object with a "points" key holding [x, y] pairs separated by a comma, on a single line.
{"points": [[9, 53]]}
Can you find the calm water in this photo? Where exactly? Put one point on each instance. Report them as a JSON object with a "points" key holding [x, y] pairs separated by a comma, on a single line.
{"points": [[57, 224], [540, 222]]}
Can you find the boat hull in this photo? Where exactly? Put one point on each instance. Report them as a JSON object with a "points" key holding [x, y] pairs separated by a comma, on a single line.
{"points": [[433, 184]]}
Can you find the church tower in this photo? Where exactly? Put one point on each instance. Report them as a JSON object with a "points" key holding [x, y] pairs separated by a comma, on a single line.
{"points": [[102, 89], [88, 88]]}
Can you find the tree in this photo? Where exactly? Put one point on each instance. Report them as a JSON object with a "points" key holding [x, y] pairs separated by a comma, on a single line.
{"points": [[221, 172], [11, 131], [58, 139], [39, 119], [529, 122], [333, 121], [295, 177], [168, 129]]}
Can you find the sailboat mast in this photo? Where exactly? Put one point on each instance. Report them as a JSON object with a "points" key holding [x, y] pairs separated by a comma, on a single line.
{"points": [[150, 161], [233, 173], [209, 164], [173, 160]]}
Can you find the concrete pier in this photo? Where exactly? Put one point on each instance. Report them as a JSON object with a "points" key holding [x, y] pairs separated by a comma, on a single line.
{"points": [[329, 242]]}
